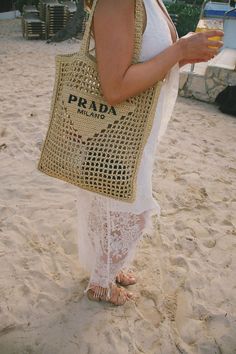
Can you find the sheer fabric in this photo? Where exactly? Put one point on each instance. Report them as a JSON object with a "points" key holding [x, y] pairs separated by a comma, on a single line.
{"points": [[109, 230], [107, 238]]}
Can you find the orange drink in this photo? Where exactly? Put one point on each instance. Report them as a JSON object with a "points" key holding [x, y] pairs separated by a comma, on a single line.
{"points": [[209, 24]]}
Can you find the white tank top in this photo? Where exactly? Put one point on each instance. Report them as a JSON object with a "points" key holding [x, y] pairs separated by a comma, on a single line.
{"points": [[156, 36]]}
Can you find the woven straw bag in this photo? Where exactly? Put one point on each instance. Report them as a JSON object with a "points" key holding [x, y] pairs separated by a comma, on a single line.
{"points": [[89, 143]]}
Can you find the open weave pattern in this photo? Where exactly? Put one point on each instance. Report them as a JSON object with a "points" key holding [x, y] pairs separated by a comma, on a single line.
{"points": [[106, 161]]}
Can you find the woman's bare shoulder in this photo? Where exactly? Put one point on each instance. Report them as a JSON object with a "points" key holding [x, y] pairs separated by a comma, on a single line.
{"points": [[114, 5], [114, 12], [114, 36], [109, 13]]}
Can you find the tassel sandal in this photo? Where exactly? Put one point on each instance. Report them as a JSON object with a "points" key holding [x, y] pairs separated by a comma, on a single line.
{"points": [[125, 279], [118, 296]]}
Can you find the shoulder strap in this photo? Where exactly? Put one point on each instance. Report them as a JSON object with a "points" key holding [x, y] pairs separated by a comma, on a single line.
{"points": [[139, 20], [139, 25]]}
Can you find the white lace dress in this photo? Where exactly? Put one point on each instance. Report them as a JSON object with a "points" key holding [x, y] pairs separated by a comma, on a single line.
{"points": [[109, 230]]}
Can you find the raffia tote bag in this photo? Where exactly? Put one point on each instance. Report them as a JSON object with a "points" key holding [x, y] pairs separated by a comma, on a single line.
{"points": [[89, 143]]}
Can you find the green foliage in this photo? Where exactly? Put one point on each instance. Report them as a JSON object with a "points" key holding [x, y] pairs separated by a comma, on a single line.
{"points": [[188, 16], [195, 2]]}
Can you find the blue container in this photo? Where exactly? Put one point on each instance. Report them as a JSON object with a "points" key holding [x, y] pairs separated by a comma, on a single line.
{"points": [[215, 9], [230, 29]]}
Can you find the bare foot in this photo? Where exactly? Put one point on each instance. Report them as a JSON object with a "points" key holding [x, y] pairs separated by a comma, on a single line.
{"points": [[125, 279]]}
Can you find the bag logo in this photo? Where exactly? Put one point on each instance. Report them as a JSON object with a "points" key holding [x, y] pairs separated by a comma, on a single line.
{"points": [[90, 108], [88, 114]]}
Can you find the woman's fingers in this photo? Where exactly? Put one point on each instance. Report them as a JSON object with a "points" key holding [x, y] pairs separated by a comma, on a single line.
{"points": [[202, 45], [217, 44], [211, 50], [209, 53], [214, 33]]}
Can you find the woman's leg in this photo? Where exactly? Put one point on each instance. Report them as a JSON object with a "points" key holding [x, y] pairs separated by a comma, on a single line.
{"points": [[110, 244]]}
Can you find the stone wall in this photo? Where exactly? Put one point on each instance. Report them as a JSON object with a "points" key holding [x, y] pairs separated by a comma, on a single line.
{"points": [[207, 87]]}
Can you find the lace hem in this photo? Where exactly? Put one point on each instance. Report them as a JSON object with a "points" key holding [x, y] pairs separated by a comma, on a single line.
{"points": [[107, 239]]}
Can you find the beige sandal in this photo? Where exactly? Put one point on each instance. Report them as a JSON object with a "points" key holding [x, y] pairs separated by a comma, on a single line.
{"points": [[125, 279], [118, 296]]}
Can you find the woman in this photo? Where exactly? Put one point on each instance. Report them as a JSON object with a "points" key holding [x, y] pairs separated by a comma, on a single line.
{"points": [[109, 230]]}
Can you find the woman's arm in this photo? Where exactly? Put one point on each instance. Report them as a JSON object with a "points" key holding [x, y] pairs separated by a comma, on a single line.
{"points": [[114, 39]]}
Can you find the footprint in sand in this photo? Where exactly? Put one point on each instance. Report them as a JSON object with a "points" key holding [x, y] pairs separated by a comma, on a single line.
{"points": [[179, 261], [3, 132], [146, 338], [3, 146], [6, 212], [170, 305], [209, 243], [147, 308]]}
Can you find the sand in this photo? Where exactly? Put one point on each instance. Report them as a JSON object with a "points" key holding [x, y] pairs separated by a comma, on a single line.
{"points": [[186, 271]]}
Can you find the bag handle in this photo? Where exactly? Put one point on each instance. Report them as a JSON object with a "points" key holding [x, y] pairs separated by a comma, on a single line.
{"points": [[139, 19]]}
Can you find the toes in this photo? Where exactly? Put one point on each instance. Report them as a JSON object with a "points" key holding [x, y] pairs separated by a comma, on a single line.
{"points": [[126, 279], [131, 278], [130, 295], [122, 297]]}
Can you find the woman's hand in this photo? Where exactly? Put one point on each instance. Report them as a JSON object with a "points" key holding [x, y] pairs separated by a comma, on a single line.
{"points": [[197, 47]]}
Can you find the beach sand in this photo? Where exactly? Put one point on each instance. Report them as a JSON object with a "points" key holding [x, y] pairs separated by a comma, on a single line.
{"points": [[186, 271]]}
